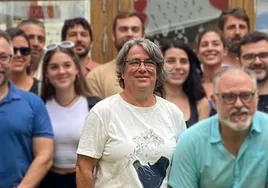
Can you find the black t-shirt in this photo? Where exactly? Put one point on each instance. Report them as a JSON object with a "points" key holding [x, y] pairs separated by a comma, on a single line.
{"points": [[263, 103]]}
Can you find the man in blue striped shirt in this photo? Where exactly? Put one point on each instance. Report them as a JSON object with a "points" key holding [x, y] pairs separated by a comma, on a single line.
{"points": [[229, 149]]}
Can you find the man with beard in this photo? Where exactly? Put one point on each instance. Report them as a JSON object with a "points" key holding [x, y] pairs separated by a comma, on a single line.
{"points": [[26, 137], [79, 32], [253, 53], [102, 82], [234, 24], [35, 30], [229, 149]]}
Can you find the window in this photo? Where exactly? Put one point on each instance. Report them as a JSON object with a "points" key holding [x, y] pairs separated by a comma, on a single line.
{"points": [[53, 13]]}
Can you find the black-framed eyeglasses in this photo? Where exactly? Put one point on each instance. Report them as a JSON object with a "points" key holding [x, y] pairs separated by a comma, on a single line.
{"points": [[230, 98], [136, 63], [23, 50], [233, 10], [5, 58], [249, 58], [63, 44]]}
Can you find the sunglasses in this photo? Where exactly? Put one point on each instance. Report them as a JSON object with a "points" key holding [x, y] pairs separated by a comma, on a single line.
{"points": [[63, 44], [23, 50]]}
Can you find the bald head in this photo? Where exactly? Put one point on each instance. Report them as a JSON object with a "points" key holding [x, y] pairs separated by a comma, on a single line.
{"points": [[231, 75]]}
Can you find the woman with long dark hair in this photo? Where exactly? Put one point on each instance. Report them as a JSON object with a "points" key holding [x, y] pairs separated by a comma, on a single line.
{"points": [[183, 86]]}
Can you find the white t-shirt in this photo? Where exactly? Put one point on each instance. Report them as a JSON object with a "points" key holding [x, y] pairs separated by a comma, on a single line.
{"points": [[67, 123], [134, 145]]}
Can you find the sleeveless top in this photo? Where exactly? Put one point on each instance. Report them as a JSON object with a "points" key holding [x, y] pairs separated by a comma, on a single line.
{"points": [[193, 114]]}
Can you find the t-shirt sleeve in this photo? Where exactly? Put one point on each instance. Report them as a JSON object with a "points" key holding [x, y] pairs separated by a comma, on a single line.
{"points": [[179, 121], [183, 168], [42, 124], [93, 138]]}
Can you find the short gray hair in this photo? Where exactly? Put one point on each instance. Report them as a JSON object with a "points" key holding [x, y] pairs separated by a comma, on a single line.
{"points": [[32, 21], [154, 53], [239, 69]]}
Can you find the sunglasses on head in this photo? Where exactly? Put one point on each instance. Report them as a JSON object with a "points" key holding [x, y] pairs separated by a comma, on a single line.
{"points": [[23, 50], [63, 44]]}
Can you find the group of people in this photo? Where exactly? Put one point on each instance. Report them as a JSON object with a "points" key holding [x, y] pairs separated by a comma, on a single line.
{"points": [[155, 116]]}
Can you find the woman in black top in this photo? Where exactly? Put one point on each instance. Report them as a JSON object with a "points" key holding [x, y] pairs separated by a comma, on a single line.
{"points": [[211, 51], [20, 61], [184, 86]]}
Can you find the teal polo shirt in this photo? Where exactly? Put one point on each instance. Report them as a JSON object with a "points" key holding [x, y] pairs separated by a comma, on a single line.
{"points": [[202, 161]]}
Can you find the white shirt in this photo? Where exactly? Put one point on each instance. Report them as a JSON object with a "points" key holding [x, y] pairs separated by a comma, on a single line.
{"points": [[67, 123], [134, 145]]}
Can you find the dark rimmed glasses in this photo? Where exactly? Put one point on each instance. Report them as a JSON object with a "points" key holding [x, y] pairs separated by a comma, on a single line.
{"points": [[63, 44], [230, 98], [249, 58]]}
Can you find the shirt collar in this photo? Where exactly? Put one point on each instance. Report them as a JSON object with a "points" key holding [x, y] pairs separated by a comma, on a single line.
{"points": [[91, 65], [12, 94], [215, 135], [256, 124]]}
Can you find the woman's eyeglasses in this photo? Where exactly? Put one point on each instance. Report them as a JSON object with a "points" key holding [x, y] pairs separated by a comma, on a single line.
{"points": [[63, 44], [23, 50]]}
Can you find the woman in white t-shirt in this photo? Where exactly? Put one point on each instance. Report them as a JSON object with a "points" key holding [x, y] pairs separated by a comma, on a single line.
{"points": [[130, 137], [62, 90]]}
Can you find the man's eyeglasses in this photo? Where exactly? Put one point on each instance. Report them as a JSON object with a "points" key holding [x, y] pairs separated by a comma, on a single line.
{"points": [[249, 58], [63, 44], [23, 50], [5, 58], [136, 63], [233, 10], [230, 98]]}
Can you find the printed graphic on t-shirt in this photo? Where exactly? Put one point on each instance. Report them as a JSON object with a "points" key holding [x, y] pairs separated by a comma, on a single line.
{"points": [[149, 165]]}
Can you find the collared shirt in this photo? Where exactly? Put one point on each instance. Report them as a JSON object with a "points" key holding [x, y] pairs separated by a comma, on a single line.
{"points": [[202, 161], [90, 66], [23, 116]]}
